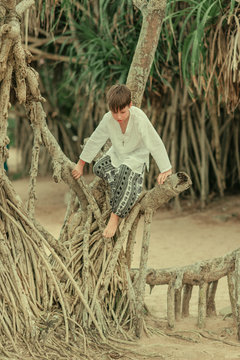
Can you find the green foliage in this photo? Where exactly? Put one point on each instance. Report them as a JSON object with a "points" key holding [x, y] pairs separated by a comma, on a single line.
{"points": [[106, 46], [100, 40], [101, 37], [189, 23]]}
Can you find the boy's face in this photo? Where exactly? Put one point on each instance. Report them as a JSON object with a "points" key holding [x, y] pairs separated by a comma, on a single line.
{"points": [[122, 115]]}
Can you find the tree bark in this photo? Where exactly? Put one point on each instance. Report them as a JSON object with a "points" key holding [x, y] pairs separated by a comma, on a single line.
{"points": [[140, 285], [153, 13]]}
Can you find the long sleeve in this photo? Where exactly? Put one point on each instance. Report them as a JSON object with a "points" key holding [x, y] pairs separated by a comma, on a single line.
{"points": [[154, 144], [95, 142]]}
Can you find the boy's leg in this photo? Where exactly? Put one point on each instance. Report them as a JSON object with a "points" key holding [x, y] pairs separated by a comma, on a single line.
{"points": [[105, 170], [128, 187], [112, 225]]}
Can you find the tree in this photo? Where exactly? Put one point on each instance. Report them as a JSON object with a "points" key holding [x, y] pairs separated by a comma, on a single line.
{"points": [[88, 277], [84, 289]]}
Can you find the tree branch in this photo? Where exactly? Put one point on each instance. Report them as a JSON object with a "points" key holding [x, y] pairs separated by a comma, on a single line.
{"points": [[153, 15], [23, 6], [161, 194], [36, 114], [140, 4], [9, 5], [208, 271]]}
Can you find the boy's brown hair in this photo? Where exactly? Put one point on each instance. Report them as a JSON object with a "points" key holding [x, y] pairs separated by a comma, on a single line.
{"points": [[118, 97]]}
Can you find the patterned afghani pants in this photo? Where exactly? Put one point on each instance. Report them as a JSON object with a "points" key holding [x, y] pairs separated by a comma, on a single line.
{"points": [[125, 185]]}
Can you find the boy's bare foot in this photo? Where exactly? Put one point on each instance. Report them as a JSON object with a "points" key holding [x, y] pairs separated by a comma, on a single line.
{"points": [[111, 227]]}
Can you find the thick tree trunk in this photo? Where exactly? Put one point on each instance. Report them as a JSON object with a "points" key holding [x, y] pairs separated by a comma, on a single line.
{"points": [[153, 13]]}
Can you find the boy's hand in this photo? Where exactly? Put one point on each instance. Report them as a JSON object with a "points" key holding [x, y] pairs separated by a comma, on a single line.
{"points": [[162, 176], [77, 172]]}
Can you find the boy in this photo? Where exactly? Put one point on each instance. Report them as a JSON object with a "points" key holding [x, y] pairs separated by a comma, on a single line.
{"points": [[133, 137]]}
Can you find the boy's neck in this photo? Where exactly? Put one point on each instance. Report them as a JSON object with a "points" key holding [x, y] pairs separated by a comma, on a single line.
{"points": [[124, 124]]}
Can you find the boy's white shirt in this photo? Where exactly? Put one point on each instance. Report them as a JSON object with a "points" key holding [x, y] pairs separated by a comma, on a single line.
{"points": [[131, 148]]}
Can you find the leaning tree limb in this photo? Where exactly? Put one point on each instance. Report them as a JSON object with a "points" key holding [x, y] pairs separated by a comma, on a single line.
{"points": [[160, 195], [153, 13]]}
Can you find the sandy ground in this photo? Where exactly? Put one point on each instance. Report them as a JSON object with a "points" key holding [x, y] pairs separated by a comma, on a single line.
{"points": [[177, 239]]}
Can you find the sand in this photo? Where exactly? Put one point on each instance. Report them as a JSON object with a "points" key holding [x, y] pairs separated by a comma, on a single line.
{"points": [[177, 239]]}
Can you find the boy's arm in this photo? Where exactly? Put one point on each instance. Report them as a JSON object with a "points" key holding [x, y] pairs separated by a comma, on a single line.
{"points": [[78, 169], [95, 142], [155, 145], [162, 176], [92, 147]]}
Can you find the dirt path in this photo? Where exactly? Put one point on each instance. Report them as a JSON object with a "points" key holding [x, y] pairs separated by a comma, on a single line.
{"points": [[177, 239]]}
